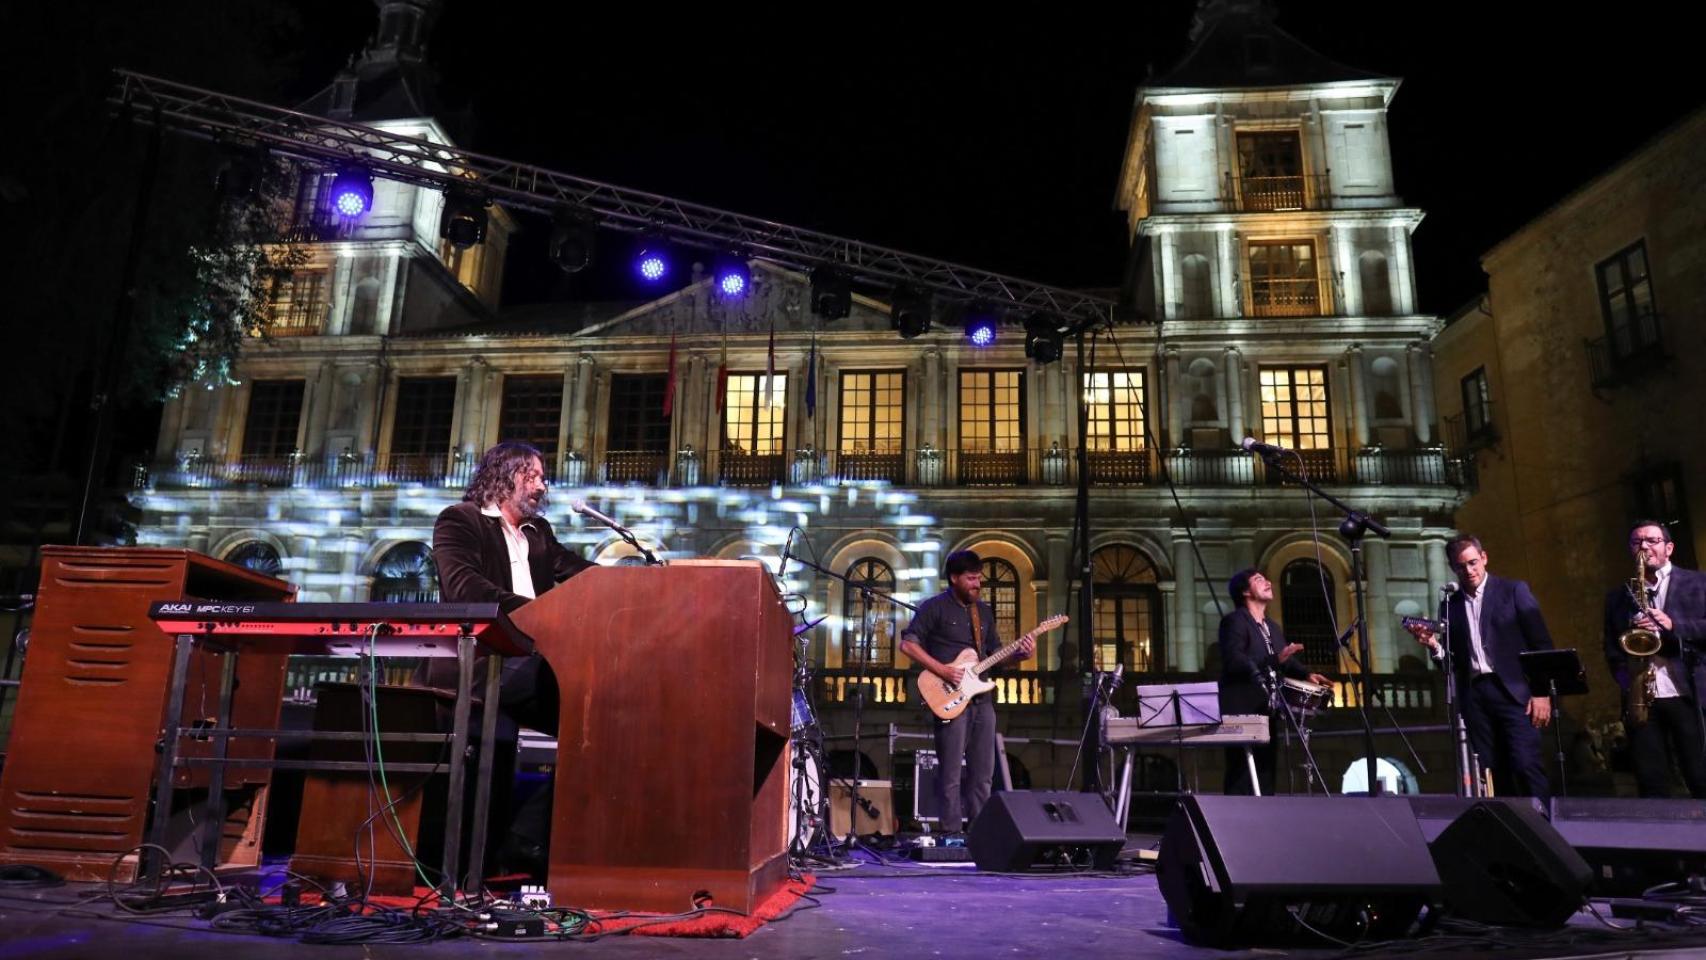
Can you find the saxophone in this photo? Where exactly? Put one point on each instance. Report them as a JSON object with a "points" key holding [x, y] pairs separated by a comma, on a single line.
{"points": [[1641, 645]]}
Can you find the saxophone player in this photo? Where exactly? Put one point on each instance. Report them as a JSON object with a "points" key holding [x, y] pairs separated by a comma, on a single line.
{"points": [[1664, 610]]}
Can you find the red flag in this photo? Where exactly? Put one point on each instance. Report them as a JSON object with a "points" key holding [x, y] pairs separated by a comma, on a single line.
{"points": [[669, 383]]}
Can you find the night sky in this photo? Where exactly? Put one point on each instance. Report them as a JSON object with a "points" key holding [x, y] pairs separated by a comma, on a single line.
{"points": [[996, 141]]}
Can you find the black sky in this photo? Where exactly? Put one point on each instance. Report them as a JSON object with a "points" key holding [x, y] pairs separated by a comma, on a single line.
{"points": [[995, 139]]}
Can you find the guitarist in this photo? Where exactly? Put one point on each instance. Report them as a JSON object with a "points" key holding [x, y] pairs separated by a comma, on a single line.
{"points": [[1253, 655], [945, 626]]}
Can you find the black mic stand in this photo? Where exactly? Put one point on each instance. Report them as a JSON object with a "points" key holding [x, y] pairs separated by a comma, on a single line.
{"points": [[1468, 785], [867, 594], [1344, 642], [1355, 526]]}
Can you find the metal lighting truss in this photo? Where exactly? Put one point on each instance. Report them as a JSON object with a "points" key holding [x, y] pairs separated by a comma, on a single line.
{"points": [[331, 142]]}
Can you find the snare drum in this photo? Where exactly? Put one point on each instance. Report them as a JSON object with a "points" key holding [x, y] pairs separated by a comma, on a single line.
{"points": [[1302, 696]]}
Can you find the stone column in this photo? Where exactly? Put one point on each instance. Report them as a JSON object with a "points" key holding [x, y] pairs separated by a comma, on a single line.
{"points": [[1235, 395], [319, 403], [1357, 367], [1060, 574], [1187, 652], [1175, 402], [1381, 642], [580, 411], [1421, 393]]}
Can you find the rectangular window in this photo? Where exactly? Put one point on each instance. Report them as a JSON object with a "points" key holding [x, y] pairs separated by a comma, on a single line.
{"points": [[1295, 415], [992, 427], [426, 410], [1283, 281], [1270, 171], [636, 413], [1626, 303], [1477, 406], [275, 413], [872, 440], [753, 413], [532, 412], [1117, 404], [297, 305]]}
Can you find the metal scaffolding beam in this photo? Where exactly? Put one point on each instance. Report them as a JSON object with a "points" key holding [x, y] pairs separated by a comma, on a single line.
{"points": [[320, 140]]}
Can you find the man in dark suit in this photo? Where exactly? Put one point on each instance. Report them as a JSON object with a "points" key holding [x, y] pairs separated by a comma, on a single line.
{"points": [[1677, 602], [1253, 653], [497, 546], [1492, 621]]}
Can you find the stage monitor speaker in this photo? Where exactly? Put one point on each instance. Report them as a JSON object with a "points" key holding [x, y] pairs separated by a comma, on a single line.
{"points": [[1021, 830], [1502, 863], [1436, 811], [1266, 870], [1632, 845]]}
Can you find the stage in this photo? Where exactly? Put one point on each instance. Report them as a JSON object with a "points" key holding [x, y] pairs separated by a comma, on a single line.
{"points": [[866, 910]]}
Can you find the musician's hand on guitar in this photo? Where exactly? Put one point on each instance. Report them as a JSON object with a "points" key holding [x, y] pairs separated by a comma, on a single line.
{"points": [[1322, 679], [1421, 631], [1027, 646], [1291, 649], [952, 674], [1540, 711]]}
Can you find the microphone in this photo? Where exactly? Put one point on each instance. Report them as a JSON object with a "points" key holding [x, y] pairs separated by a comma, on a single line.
{"points": [[1265, 449], [1449, 588], [580, 507], [782, 570], [1114, 678]]}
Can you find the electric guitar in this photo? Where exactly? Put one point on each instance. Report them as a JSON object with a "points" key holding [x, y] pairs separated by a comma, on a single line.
{"points": [[949, 702]]}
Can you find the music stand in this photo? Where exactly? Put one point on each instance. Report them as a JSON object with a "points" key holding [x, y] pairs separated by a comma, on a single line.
{"points": [[1560, 673], [1178, 705]]}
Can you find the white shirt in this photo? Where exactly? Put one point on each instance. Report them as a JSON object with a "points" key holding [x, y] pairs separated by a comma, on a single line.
{"points": [[1478, 661], [520, 574], [1664, 671]]}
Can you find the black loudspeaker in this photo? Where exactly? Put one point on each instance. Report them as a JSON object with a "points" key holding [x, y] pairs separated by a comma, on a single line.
{"points": [[1029, 829], [1260, 870], [1631, 845], [1436, 811], [1502, 863]]}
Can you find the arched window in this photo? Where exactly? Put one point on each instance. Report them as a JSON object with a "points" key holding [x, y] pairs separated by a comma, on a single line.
{"points": [[1304, 591], [405, 574], [258, 556], [879, 576], [1376, 284], [1001, 591], [1127, 612]]}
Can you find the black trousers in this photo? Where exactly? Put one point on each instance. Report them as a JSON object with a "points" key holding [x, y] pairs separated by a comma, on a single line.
{"points": [[1672, 731], [1504, 738], [970, 735]]}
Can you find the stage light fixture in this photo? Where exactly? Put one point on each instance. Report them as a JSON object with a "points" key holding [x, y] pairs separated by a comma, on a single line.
{"points": [[1043, 340], [352, 191], [981, 321], [464, 223], [832, 293], [652, 260], [732, 277], [909, 312], [574, 235]]}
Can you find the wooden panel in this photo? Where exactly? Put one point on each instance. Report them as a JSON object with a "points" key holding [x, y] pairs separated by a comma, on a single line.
{"points": [[671, 749], [76, 787]]}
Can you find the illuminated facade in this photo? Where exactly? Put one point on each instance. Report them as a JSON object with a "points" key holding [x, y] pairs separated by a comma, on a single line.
{"points": [[1268, 241]]}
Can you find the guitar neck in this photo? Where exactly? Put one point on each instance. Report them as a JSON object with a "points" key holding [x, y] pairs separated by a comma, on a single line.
{"points": [[998, 656]]}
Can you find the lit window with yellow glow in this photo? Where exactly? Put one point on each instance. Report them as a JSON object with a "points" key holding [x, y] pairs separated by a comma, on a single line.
{"points": [[1294, 408], [1116, 403], [753, 413], [873, 407], [992, 412]]}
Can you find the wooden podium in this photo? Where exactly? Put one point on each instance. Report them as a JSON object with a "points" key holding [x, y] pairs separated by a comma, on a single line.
{"points": [[672, 743], [74, 796]]}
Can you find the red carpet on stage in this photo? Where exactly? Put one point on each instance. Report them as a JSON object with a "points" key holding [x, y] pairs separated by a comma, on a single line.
{"points": [[708, 923]]}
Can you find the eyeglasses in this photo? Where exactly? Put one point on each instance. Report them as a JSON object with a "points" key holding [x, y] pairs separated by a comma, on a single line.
{"points": [[1646, 541]]}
